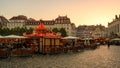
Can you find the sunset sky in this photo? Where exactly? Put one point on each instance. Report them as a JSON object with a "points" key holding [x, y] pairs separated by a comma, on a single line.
{"points": [[81, 12]]}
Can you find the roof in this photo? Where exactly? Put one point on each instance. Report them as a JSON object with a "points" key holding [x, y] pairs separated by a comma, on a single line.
{"points": [[91, 27], [47, 22], [114, 20], [3, 20], [41, 27], [32, 23], [20, 17], [17, 18], [62, 19]]}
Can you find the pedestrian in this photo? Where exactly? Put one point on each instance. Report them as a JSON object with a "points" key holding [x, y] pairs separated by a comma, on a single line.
{"points": [[73, 43], [7, 52], [108, 44], [9, 49]]}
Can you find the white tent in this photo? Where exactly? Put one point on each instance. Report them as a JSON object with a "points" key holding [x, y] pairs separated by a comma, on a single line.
{"points": [[14, 36], [1, 36], [70, 37], [115, 39], [87, 41]]}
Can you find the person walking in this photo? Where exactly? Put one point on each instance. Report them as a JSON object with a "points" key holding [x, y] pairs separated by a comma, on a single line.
{"points": [[108, 44]]}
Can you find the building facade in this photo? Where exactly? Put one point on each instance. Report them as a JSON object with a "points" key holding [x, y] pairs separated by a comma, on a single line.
{"points": [[3, 22], [114, 27], [17, 21], [64, 22], [59, 22], [22, 21], [99, 32], [84, 31]]}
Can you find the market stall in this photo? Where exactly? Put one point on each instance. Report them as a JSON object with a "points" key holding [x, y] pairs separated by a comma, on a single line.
{"points": [[17, 45], [43, 40]]}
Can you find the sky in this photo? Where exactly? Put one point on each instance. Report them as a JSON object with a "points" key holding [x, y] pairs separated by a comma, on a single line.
{"points": [[80, 12]]}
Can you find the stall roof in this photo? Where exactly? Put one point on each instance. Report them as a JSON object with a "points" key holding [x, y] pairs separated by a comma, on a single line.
{"points": [[47, 35], [41, 27], [40, 33]]}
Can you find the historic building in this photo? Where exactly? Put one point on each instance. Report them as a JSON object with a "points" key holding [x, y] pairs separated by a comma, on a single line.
{"points": [[73, 31], [114, 27], [3, 22], [81, 31], [84, 31], [64, 22], [22, 21], [99, 32], [17, 21], [33, 24], [59, 22]]}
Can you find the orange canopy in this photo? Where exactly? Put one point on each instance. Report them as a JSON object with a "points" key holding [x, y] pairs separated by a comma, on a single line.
{"points": [[41, 27], [35, 35], [51, 35], [47, 35]]}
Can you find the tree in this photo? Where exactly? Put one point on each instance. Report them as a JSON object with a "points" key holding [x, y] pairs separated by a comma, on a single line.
{"points": [[55, 30], [15, 31], [63, 32], [5, 31], [30, 30]]}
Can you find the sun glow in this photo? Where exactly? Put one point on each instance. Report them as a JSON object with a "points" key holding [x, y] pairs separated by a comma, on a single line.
{"points": [[87, 12]]}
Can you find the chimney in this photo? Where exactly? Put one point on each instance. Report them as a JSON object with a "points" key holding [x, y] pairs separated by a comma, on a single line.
{"points": [[116, 17], [119, 15]]}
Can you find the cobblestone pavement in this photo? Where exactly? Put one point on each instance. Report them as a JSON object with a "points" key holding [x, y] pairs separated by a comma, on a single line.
{"points": [[101, 57]]}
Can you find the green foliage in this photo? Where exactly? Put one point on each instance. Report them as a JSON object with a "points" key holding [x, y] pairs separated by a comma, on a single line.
{"points": [[29, 30], [55, 30], [4, 31], [20, 31], [62, 31], [15, 31]]}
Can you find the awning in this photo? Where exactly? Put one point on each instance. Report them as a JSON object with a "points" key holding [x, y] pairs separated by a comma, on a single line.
{"points": [[70, 37], [14, 36]]}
